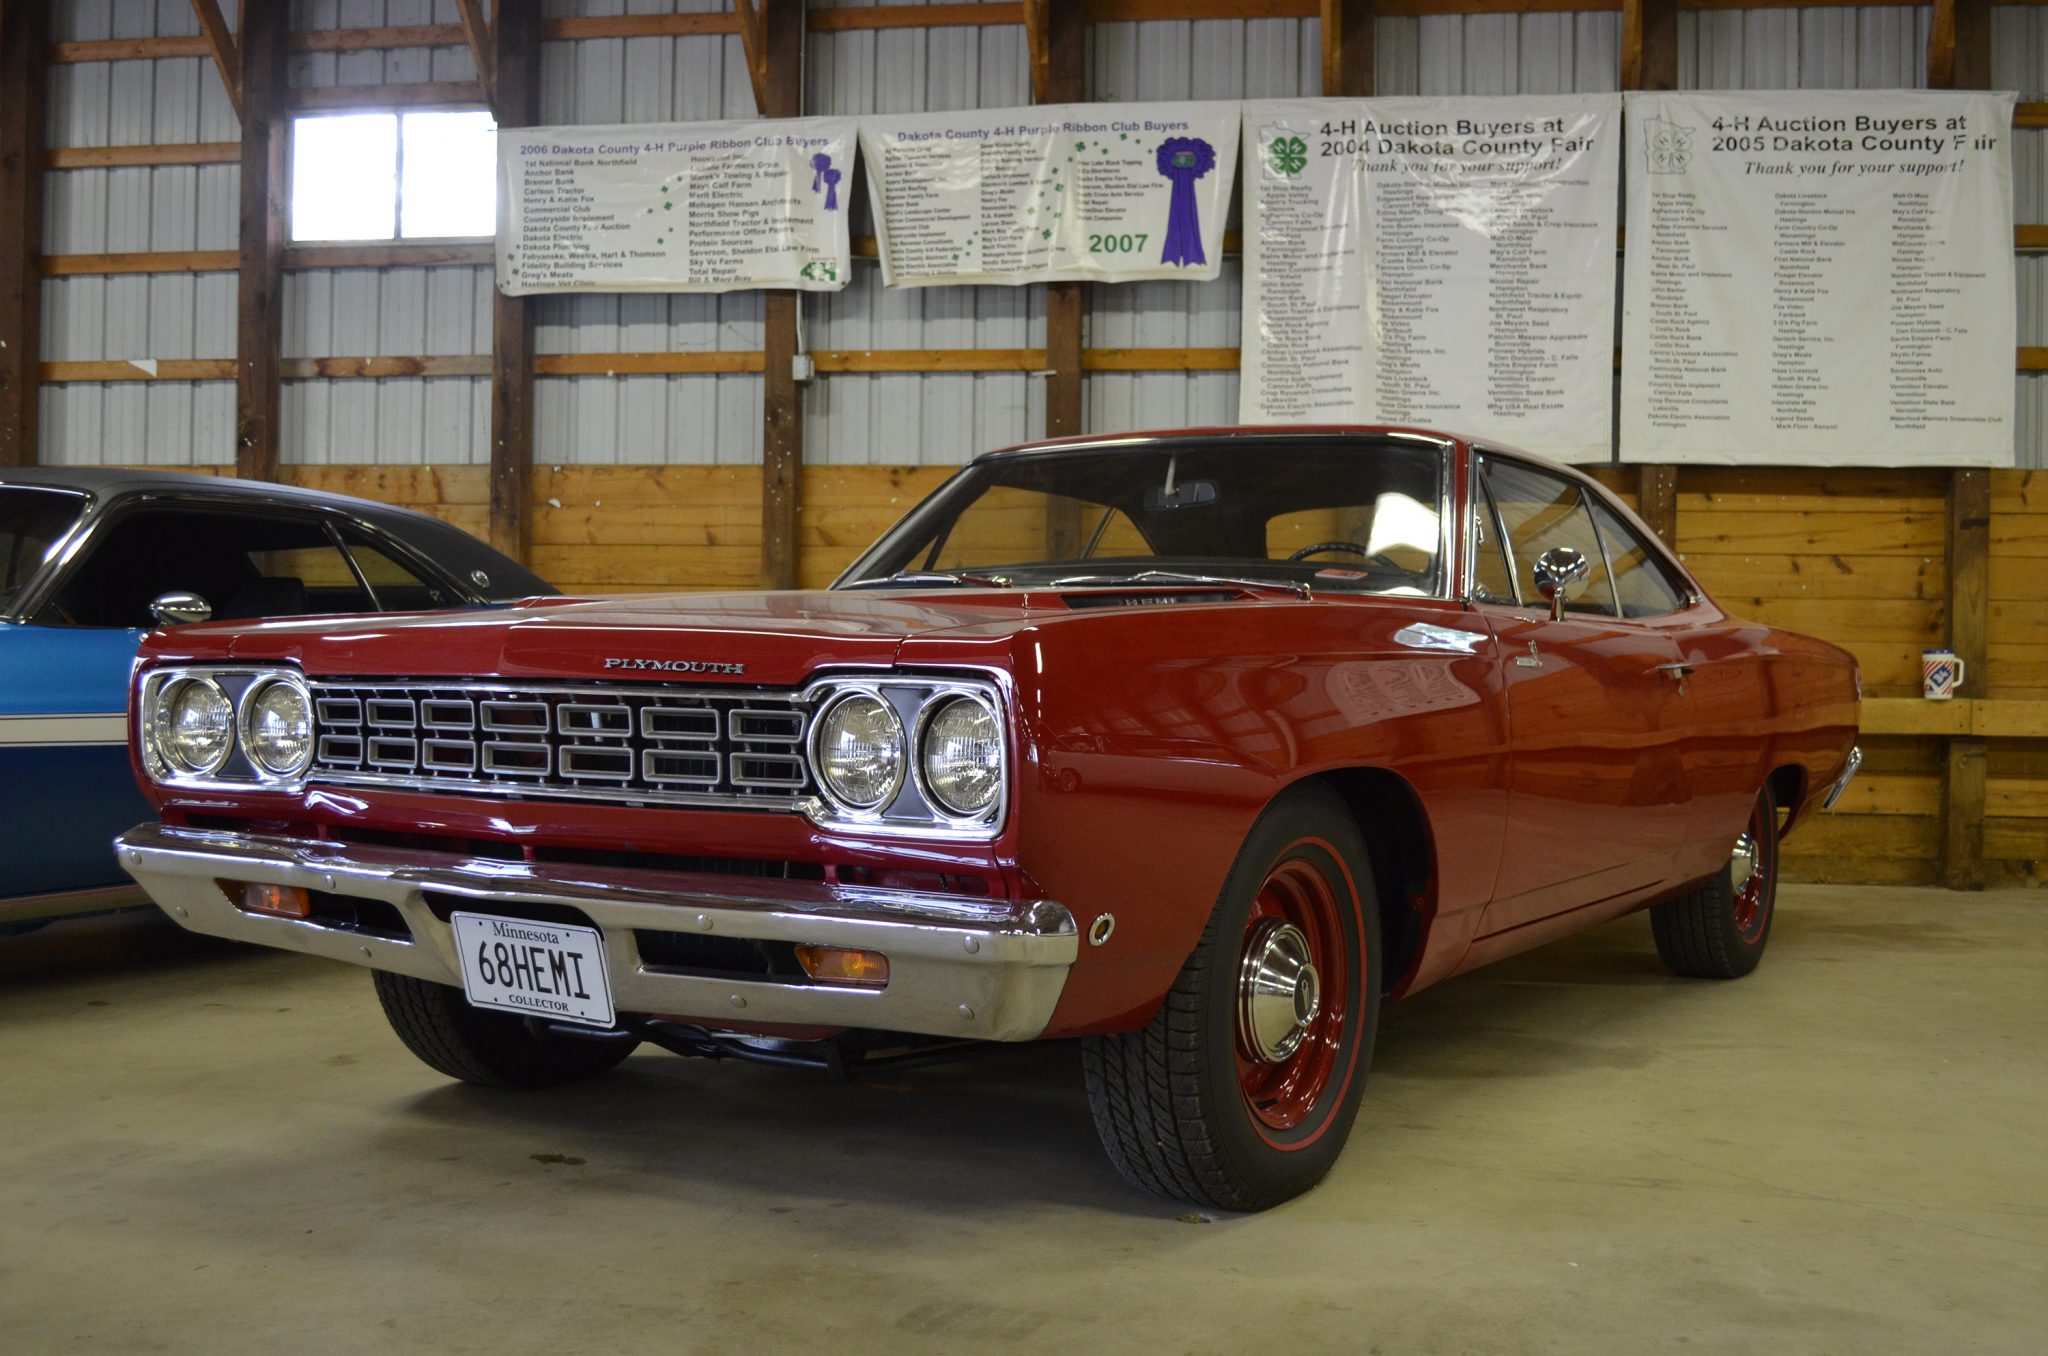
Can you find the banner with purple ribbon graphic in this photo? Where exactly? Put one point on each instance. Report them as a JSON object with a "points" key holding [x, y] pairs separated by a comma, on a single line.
{"points": [[696, 207], [1082, 192]]}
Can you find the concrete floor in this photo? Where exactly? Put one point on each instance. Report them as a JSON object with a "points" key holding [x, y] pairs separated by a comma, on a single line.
{"points": [[210, 1149]]}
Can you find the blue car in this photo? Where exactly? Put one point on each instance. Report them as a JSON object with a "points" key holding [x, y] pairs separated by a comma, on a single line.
{"points": [[90, 560]]}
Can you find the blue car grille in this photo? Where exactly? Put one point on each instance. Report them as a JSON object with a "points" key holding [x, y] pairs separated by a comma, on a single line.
{"points": [[631, 745]]}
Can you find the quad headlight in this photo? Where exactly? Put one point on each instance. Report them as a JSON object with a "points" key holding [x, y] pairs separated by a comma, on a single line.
{"points": [[860, 751], [961, 755], [909, 754], [226, 727], [192, 726], [277, 726]]}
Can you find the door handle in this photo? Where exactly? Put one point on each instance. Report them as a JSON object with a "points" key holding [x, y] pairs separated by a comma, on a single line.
{"points": [[1676, 670]]}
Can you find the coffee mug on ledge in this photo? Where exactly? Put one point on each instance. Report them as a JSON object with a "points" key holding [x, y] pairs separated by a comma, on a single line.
{"points": [[1941, 673]]}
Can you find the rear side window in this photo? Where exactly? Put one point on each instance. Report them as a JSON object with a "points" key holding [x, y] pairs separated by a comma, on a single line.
{"points": [[1541, 512], [1644, 588], [31, 522]]}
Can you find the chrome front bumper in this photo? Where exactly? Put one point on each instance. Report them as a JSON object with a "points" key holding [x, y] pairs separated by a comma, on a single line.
{"points": [[958, 966]]}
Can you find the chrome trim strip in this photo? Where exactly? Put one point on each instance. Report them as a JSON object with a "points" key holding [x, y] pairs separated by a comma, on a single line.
{"points": [[610, 795], [959, 966]]}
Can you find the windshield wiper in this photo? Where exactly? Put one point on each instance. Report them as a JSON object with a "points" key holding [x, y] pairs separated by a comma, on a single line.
{"points": [[926, 579], [1298, 589]]}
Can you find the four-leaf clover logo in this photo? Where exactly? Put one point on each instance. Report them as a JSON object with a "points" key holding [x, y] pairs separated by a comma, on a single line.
{"points": [[1287, 155]]}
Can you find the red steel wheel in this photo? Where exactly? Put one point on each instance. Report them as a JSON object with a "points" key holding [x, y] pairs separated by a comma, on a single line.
{"points": [[1753, 874], [1718, 928], [1292, 1001], [1241, 1089]]}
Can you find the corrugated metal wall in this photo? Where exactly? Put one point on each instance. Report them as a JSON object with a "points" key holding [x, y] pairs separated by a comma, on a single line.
{"points": [[850, 418]]}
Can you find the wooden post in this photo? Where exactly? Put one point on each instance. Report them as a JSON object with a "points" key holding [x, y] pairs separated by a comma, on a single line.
{"points": [[1959, 57], [220, 41], [259, 327], [1959, 45], [1969, 635], [515, 63], [1649, 61], [24, 68], [1348, 48], [781, 93], [1059, 76]]}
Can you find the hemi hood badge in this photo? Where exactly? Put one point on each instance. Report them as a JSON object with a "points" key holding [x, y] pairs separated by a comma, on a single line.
{"points": [[676, 665]]}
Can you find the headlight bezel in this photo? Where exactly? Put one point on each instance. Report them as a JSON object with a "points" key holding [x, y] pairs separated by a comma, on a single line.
{"points": [[237, 769], [911, 810]]}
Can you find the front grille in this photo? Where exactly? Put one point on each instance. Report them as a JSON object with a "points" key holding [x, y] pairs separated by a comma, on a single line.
{"points": [[629, 745]]}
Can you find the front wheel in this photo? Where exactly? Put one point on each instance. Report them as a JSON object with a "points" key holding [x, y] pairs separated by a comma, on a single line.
{"points": [[1240, 1091], [1718, 930], [494, 1050]]}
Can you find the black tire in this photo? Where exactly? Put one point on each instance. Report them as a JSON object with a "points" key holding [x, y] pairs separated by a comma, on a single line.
{"points": [[1174, 1113], [493, 1050], [1716, 931]]}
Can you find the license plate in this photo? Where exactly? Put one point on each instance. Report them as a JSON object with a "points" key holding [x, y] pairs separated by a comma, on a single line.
{"points": [[548, 970]]}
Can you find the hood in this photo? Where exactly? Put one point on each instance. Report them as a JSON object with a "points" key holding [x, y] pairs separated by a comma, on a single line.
{"points": [[777, 639]]}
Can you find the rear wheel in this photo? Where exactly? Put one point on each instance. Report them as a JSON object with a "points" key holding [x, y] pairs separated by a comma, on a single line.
{"points": [[1241, 1090], [1718, 930], [494, 1050]]}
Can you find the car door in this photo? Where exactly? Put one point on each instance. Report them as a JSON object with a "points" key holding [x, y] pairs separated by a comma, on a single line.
{"points": [[1598, 718]]}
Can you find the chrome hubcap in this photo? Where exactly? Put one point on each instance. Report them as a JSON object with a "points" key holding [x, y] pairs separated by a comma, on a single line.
{"points": [[1742, 862], [1279, 992]]}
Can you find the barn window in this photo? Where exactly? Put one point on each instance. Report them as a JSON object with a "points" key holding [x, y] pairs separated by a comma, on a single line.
{"points": [[394, 176]]}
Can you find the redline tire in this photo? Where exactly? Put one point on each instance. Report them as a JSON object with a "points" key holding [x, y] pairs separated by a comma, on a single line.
{"points": [[1178, 1110], [1717, 930], [490, 1049]]}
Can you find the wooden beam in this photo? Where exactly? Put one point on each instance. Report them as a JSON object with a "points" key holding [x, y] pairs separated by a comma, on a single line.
{"points": [[1649, 44], [220, 44], [259, 307], [432, 94], [1657, 501], [126, 157], [377, 39], [1969, 635], [1347, 33], [1065, 46], [1959, 45], [640, 26], [142, 369], [24, 72], [779, 87], [476, 31], [515, 61], [754, 43], [839, 18], [1038, 47], [648, 364]]}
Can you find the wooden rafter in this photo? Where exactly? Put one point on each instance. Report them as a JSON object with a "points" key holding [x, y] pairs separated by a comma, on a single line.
{"points": [[754, 41], [1037, 19], [220, 44], [476, 31]]}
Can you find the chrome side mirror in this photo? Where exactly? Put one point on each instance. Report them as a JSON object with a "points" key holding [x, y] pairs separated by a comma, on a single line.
{"points": [[177, 609], [1561, 574]]}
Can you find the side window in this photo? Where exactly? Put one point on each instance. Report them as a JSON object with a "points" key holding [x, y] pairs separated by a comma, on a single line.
{"points": [[1645, 590], [1492, 580], [1541, 511], [245, 564], [400, 588]]}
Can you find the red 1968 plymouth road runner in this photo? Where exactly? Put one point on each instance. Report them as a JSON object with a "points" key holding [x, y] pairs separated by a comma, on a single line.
{"points": [[1196, 746]]}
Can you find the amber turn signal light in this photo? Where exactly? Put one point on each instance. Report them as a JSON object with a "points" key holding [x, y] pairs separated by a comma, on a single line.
{"points": [[282, 901], [841, 965]]}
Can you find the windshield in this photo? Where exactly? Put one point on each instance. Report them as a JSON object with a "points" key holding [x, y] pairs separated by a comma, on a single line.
{"points": [[31, 522], [1349, 514]]}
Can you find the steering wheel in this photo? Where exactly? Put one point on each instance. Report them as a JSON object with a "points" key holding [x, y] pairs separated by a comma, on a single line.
{"points": [[1378, 558]]}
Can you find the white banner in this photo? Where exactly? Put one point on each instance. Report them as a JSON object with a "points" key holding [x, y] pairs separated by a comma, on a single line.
{"points": [[1445, 262], [698, 207], [1061, 192], [1819, 278]]}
